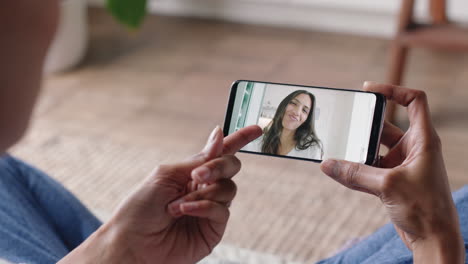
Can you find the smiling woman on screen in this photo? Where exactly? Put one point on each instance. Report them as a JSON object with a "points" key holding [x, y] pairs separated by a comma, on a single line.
{"points": [[291, 132]]}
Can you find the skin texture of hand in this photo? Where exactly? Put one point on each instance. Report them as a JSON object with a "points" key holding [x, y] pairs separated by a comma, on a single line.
{"points": [[411, 182], [178, 214]]}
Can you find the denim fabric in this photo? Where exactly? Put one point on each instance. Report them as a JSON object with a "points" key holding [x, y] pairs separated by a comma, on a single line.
{"points": [[385, 246], [40, 221]]}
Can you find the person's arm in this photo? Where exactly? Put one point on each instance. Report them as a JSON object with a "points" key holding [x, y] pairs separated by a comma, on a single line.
{"points": [[445, 247], [411, 182], [26, 30], [170, 218]]}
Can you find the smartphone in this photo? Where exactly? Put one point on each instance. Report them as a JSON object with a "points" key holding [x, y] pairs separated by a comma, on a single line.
{"points": [[307, 122]]}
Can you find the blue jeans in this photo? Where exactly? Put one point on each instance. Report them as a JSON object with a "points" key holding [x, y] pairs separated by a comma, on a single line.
{"points": [[385, 246], [41, 222]]}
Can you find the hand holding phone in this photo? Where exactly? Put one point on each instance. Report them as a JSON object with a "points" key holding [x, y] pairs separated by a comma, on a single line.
{"points": [[306, 122], [411, 182]]}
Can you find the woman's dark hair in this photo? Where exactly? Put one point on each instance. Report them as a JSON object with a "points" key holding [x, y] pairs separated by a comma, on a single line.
{"points": [[305, 135]]}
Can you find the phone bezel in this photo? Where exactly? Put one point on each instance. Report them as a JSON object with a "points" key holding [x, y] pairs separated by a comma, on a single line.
{"points": [[376, 130]]}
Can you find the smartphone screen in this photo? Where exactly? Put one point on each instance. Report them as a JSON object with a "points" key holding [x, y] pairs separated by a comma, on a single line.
{"points": [[305, 122]]}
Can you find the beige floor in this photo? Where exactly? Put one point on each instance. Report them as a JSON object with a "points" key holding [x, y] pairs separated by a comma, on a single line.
{"points": [[149, 97]]}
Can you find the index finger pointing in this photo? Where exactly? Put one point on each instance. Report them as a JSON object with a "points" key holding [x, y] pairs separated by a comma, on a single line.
{"points": [[237, 140]]}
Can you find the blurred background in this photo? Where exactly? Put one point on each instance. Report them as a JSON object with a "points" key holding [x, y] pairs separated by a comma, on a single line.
{"points": [[117, 102]]}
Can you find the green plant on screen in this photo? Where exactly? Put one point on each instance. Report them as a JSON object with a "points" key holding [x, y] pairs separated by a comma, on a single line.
{"points": [[128, 12]]}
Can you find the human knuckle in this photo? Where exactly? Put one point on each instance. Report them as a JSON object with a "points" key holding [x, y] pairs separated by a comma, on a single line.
{"points": [[391, 180], [420, 94], [223, 212], [234, 188], [229, 186], [235, 162], [351, 174], [217, 167], [387, 186], [227, 149], [244, 136], [160, 176]]}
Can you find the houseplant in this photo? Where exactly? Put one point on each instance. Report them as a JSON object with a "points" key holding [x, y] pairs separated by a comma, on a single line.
{"points": [[128, 12], [71, 39]]}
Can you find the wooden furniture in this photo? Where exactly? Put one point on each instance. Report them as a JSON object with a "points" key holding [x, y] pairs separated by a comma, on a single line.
{"points": [[440, 33]]}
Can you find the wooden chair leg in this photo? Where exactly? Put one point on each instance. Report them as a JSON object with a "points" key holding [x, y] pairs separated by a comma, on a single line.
{"points": [[438, 11], [397, 59], [398, 52]]}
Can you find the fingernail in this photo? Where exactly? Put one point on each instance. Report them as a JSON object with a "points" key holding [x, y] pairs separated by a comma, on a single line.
{"points": [[368, 83], [174, 207], [189, 206], [202, 174], [329, 167], [212, 139], [214, 134]]}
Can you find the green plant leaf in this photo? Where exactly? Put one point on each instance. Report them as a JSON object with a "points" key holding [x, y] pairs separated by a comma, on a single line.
{"points": [[128, 12]]}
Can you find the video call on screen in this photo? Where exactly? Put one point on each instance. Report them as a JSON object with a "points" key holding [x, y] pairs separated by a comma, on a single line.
{"points": [[304, 122]]}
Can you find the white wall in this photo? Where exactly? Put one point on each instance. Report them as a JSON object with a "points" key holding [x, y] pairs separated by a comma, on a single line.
{"points": [[333, 111], [367, 17], [255, 104]]}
